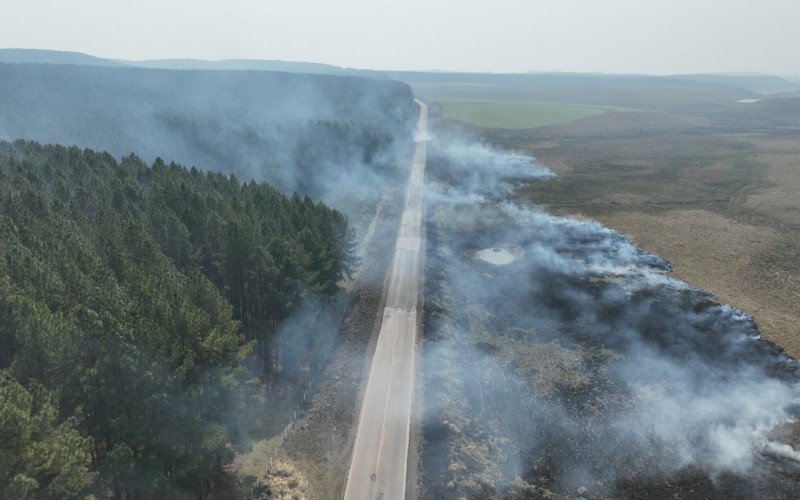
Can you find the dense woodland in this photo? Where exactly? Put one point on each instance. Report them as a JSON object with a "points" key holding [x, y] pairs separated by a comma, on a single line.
{"points": [[137, 308]]}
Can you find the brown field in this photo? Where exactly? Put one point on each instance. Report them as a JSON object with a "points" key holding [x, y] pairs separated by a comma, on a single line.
{"points": [[715, 193]]}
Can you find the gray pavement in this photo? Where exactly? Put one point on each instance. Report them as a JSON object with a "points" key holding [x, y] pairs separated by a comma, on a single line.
{"points": [[380, 455]]}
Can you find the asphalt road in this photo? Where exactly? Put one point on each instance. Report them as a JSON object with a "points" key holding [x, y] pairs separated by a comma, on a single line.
{"points": [[380, 455]]}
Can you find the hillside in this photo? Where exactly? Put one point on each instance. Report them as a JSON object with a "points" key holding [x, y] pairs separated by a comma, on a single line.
{"points": [[761, 84], [38, 56], [248, 65]]}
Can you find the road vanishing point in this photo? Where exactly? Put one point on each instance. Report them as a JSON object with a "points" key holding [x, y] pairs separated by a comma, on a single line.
{"points": [[380, 455]]}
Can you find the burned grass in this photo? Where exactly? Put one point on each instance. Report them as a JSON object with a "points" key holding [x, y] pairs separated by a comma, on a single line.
{"points": [[582, 370], [320, 442]]}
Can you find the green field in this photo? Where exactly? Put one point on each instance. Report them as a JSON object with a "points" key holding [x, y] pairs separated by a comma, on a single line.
{"points": [[515, 115], [644, 98]]}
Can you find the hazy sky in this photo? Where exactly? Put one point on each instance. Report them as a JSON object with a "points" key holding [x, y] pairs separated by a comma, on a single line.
{"points": [[644, 36]]}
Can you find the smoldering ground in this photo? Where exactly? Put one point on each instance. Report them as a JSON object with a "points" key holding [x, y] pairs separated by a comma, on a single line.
{"points": [[581, 367]]}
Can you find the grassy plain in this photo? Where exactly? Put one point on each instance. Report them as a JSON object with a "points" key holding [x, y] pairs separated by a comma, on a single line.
{"points": [[582, 94], [516, 115], [707, 183]]}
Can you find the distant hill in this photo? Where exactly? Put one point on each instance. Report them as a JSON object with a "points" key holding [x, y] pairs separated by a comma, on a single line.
{"points": [[560, 79], [36, 56], [755, 83], [252, 65], [53, 57], [643, 92], [238, 64], [760, 84]]}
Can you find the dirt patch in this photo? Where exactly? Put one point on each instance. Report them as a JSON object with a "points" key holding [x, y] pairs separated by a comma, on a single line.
{"points": [[267, 474]]}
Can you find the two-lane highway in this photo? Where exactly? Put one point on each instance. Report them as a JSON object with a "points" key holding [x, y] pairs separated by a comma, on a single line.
{"points": [[380, 455]]}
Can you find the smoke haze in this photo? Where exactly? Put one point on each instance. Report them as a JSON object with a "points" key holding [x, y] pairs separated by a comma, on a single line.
{"points": [[582, 363], [336, 138]]}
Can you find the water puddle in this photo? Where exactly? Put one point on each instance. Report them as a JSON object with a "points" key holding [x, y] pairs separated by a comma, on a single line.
{"points": [[498, 256]]}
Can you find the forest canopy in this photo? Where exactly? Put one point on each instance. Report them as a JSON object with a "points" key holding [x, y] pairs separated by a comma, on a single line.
{"points": [[137, 307]]}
